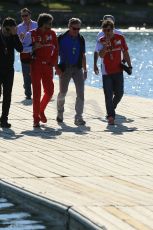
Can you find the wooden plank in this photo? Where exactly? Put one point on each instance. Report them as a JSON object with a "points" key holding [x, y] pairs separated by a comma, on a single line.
{"points": [[105, 173]]}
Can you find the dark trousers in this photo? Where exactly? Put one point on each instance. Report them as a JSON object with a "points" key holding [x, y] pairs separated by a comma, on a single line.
{"points": [[0, 90], [6, 80], [26, 79], [113, 85]]}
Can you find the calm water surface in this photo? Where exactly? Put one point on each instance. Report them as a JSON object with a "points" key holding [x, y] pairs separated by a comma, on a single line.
{"points": [[140, 44]]}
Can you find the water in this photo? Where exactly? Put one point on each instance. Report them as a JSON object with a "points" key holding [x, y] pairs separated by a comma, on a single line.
{"points": [[140, 45], [13, 218]]}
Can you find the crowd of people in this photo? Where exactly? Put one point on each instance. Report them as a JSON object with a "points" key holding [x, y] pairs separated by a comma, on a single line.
{"points": [[41, 51]]}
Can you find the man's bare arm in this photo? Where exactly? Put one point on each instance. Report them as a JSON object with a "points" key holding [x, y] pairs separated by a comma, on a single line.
{"points": [[96, 70], [127, 58]]}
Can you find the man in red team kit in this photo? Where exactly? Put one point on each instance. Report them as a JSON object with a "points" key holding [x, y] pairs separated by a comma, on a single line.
{"points": [[45, 55], [111, 46]]}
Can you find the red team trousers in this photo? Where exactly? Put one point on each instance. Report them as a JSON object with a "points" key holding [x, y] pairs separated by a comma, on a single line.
{"points": [[41, 72]]}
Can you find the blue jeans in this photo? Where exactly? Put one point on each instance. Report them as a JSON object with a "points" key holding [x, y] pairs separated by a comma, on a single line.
{"points": [[113, 85], [26, 79]]}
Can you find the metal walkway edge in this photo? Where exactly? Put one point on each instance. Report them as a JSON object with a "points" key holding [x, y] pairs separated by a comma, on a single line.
{"points": [[64, 218]]}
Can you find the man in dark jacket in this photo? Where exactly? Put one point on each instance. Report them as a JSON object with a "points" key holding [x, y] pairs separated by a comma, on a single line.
{"points": [[9, 41], [72, 65]]}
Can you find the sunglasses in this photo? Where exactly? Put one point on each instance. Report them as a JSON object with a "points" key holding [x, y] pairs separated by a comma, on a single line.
{"points": [[49, 24], [107, 30], [7, 28], [74, 28], [24, 15]]}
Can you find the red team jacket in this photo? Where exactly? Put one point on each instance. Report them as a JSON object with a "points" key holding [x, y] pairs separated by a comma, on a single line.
{"points": [[49, 50], [111, 62]]}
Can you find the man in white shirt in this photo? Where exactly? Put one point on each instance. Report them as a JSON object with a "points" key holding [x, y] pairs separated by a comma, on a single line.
{"points": [[100, 34], [26, 25]]}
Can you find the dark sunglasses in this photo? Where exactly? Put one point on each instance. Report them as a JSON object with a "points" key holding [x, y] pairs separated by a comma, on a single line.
{"points": [[106, 30], [74, 28], [24, 15], [49, 24], [7, 28]]}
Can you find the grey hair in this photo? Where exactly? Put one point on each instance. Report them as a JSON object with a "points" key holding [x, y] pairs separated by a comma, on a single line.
{"points": [[74, 21]]}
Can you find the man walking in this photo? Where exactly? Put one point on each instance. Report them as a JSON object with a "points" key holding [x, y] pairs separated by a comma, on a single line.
{"points": [[100, 34], [9, 41], [45, 47], [72, 65], [111, 45], [26, 25]]}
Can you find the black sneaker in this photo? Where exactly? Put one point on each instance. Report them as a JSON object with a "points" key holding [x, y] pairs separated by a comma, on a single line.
{"points": [[36, 125], [5, 125], [79, 122], [59, 120], [28, 97]]}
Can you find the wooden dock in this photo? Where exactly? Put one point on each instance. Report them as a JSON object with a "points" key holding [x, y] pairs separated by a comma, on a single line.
{"points": [[103, 172]]}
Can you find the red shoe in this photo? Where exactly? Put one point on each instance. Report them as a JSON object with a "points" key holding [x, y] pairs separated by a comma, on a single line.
{"points": [[111, 120], [43, 117]]}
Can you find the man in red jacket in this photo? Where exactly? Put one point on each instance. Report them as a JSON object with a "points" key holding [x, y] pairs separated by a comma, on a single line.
{"points": [[45, 50], [111, 46]]}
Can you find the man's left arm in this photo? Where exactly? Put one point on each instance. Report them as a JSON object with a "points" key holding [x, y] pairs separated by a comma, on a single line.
{"points": [[126, 54], [84, 65], [56, 51], [127, 58], [16, 41]]}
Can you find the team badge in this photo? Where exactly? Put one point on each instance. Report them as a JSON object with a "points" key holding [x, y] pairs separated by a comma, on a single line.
{"points": [[118, 42]]}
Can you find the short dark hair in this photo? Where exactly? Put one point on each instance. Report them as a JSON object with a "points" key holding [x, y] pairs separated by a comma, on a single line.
{"points": [[43, 19], [25, 10], [107, 23], [9, 22]]}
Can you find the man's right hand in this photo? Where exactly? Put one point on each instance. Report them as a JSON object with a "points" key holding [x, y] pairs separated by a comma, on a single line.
{"points": [[21, 36], [130, 70], [37, 45], [58, 71], [103, 51]]}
